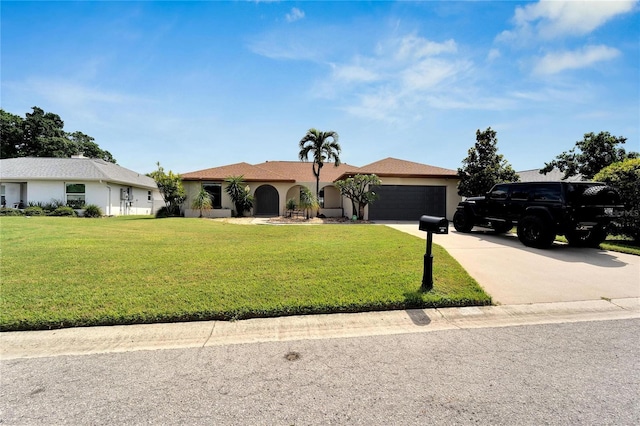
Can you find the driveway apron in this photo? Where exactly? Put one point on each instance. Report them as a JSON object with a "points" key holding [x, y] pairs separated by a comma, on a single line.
{"points": [[515, 274]]}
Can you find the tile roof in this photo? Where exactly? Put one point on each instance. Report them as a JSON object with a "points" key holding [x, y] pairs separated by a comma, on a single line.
{"points": [[393, 167], [270, 171], [554, 175], [86, 169], [301, 171], [249, 172]]}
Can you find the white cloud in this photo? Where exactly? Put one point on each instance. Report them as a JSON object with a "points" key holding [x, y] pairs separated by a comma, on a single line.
{"points": [[549, 19], [295, 15], [556, 62], [493, 55]]}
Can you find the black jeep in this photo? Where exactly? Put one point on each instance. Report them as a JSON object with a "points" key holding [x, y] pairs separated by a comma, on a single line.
{"points": [[581, 211]]}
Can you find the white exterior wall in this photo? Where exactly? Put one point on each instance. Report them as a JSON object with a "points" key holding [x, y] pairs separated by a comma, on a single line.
{"points": [[103, 194]]}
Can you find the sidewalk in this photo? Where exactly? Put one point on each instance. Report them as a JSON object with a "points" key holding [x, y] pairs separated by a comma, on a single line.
{"points": [[92, 340]]}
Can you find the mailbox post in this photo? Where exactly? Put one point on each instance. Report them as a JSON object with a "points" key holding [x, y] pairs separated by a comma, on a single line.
{"points": [[432, 225]]}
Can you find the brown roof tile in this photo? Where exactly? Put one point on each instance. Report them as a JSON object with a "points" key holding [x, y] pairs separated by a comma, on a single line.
{"points": [[249, 172], [302, 171], [402, 168]]}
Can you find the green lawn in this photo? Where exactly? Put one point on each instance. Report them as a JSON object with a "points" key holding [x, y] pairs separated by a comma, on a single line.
{"points": [[65, 272]]}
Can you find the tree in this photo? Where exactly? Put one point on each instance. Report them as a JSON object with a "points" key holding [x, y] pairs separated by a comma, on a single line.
{"points": [[590, 155], [202, 201], [307, 200], [240, 194], [86, 146], [484, 167], [625, 177], [358, 190], [11, 138], [323, 146], [171, 189], [41, 134]]}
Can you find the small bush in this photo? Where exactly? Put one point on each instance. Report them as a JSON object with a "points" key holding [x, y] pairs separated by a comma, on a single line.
{"points": [[92, 211], [63, 211], [8, 211], [34, 211]]}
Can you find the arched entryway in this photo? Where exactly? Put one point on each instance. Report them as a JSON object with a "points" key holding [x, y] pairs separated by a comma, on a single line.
{"points": [[267, 201]]}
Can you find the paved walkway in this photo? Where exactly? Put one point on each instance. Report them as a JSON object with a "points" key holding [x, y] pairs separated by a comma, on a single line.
{"points": [[515, 274]]}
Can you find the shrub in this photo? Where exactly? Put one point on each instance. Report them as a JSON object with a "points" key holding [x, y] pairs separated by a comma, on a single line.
{"points": [[92, 211], [165, 211], [34, 211], [63, 211], [624, 176], [291, 204], [8, 211]]}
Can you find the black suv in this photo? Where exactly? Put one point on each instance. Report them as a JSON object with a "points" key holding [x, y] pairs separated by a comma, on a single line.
{"points": [[581, 211]]}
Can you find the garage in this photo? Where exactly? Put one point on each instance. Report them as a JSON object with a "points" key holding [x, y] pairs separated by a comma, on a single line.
{"points": [[408, 202]]}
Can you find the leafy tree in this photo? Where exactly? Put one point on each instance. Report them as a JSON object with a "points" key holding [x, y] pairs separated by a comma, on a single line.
{"points": [[323, 146], [590, 155], [240, 194], [171, 189], [202, 201], [358, 190], [86, 146], [11, 132], [41, 134], [484, 167], [307, 200], [625, 177]]}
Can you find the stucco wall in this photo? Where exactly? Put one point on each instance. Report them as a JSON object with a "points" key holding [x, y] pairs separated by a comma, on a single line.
{"points": [[103, 194]]}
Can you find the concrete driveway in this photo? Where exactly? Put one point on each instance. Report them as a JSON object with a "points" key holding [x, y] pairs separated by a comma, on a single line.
{"points": [[515, 274]]}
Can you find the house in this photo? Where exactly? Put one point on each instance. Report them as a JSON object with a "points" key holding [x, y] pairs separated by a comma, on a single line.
{"points": [[554, 175], [76, 182], [408, 189]]}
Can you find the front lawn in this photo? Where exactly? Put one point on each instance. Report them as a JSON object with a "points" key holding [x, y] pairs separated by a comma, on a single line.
{"points": [[65, 272]]}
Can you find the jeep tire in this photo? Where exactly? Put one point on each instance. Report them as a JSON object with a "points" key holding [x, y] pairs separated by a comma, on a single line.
{"points": [[462, 222], [534, 231]]}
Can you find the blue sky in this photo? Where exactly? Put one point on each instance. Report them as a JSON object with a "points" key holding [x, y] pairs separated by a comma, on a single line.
{"points": [[202, 84]]}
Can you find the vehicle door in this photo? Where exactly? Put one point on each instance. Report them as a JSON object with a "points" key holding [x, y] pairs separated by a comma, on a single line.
{"points": [[497, 201], [519, 198]]}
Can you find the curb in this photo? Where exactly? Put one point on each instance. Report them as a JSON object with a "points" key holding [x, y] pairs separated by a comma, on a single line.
{"points": [[94, 340]]}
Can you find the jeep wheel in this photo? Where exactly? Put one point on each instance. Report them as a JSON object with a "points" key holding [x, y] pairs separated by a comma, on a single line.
{"points": [[502, 227], [533, 231], [462, 222], [592, 238]]}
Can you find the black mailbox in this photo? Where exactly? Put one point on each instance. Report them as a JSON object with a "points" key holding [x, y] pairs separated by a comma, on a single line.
{"points": [[432, 225], [437, 225]]}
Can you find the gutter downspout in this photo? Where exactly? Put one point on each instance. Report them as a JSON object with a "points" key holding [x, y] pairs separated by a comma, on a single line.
{"points": [[109, 205]]}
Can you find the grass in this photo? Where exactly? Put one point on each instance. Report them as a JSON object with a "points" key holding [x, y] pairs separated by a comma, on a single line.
{"points": [[65, 272], [615, 243]]}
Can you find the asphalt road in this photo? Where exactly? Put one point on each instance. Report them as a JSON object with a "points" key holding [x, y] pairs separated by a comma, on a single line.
{"points": [[565, 374]]}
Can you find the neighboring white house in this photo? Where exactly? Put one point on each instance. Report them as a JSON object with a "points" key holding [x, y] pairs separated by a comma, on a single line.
{"points": [[408, 189], [76, 182]]}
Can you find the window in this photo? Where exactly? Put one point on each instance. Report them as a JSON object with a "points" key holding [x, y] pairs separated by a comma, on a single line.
{"points": [[547, 192], [2, 195], [499, 192], [215, 190], [520, 192], [149, 196], [75, 195]]}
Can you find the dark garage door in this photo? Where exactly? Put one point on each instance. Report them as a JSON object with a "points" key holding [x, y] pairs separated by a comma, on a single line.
{"points": [[408, 202]]}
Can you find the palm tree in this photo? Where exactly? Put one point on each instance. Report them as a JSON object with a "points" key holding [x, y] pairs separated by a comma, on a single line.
{"points": [[240, 194], [323, 146], [202, 201]]}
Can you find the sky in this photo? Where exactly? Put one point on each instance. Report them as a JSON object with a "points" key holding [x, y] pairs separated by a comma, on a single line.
{"points": [[201, 84]]}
